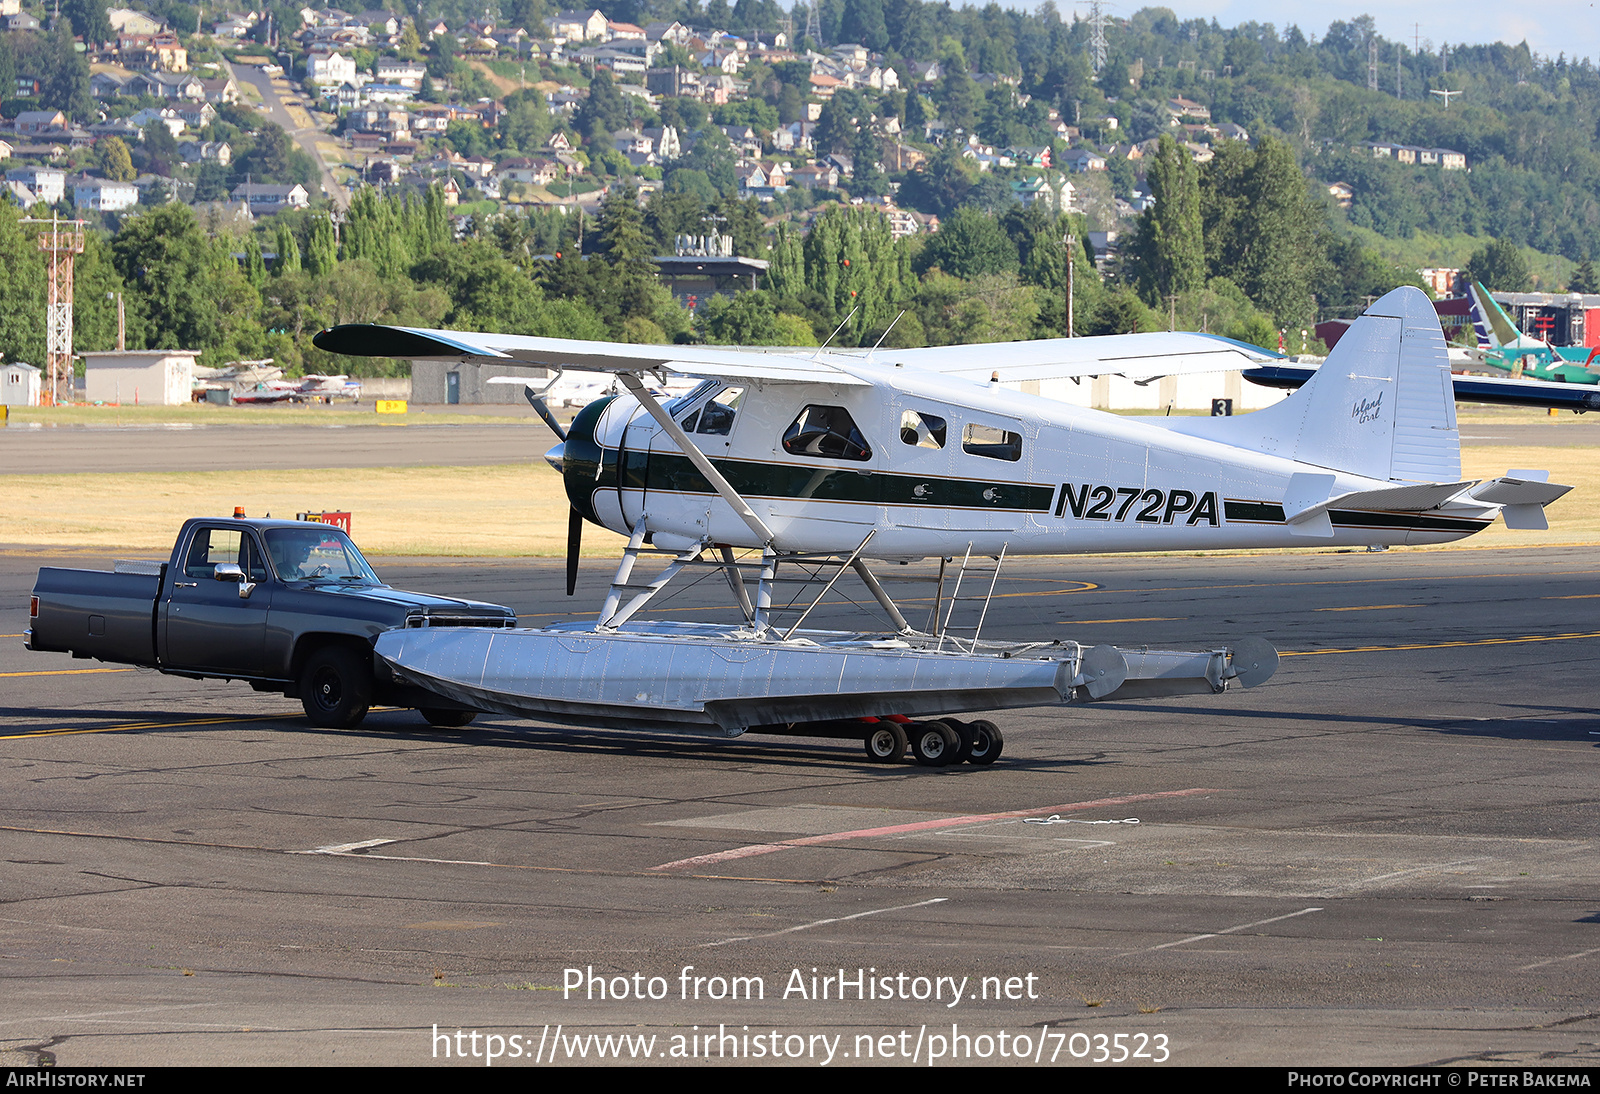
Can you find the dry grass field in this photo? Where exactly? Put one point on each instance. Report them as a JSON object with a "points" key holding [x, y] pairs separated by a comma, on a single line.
{"points": [[510, 510]]}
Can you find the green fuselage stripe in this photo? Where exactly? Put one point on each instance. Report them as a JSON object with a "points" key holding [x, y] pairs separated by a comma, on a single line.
{"points": [[673, 473]]}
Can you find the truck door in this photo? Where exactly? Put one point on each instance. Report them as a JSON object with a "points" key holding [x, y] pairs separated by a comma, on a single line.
{"points": [[206, 625]]}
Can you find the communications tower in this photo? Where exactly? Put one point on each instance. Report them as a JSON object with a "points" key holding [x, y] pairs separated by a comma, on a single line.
{"points": [[62, 241]]}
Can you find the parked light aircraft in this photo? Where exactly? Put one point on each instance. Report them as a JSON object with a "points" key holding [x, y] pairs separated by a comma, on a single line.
{"points": [[1505, 347], [908, 454]]}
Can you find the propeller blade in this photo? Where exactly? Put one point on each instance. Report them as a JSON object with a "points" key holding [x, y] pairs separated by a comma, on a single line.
{"points": [[542, 408], [574, 541]]}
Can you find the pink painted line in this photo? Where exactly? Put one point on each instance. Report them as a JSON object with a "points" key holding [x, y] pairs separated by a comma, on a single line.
{"points": [[921, 826]]}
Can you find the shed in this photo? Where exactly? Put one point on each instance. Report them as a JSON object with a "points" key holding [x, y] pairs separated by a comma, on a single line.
{"points": [[19, 385], [157, 377]]}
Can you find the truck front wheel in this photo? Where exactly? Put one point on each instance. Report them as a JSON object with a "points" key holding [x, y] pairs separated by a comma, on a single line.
{"points": [[336, 688]]}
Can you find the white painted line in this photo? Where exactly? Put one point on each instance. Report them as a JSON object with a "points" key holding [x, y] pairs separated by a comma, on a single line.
{"points": [[1226, 930], [919, 826], [825, 922], [345, 848], [1553, 960], [1335, 890]]}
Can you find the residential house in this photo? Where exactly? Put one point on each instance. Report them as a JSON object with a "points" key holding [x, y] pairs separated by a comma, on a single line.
{"points": [[41, 122], [263, 198], [1180, 108], [330, 68], [394, 70], [103, 195], [585, 26], [1054, 191], [1081, 160], [46, 183]]}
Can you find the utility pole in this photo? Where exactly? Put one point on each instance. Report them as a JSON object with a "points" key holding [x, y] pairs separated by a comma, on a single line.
{"points": [[1445, 95], [1071, 242]]}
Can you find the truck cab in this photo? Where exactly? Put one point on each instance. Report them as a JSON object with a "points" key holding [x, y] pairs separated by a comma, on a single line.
{"points": [[288, 606]]}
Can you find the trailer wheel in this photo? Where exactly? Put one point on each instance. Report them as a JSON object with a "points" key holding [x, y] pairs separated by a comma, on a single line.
{"points": [[934, 744], [987, 742], [447, 719], [336, 688], [885, 743]]}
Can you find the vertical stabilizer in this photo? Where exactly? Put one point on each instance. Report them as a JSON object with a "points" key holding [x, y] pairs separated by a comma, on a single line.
{"points": [[1493, 326], [1382, 405]]}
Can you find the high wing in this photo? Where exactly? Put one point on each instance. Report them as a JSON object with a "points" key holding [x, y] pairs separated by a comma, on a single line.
{"points": [[464, 347], [1140, 357]]}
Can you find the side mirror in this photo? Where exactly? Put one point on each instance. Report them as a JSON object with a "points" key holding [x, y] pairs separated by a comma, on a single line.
{"points": [[230, 571]]}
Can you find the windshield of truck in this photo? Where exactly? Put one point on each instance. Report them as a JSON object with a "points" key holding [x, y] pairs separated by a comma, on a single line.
{"points": [[317, 553]]}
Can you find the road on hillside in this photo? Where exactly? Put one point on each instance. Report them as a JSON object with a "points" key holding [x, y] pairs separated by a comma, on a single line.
{"points": [[304, 136]]}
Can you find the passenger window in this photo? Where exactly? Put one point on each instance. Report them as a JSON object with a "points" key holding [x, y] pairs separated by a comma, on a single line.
{"points": [[991, 442], [826, 431], [922, 430], [716, 417]]}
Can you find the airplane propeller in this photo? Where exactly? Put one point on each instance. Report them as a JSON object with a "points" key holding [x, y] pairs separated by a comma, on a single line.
{"points": [[574, 541]]}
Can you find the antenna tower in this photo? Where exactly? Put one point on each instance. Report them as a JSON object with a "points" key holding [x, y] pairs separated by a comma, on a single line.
{"points": [[1372, 64], [1097, 36], [61, 241]]}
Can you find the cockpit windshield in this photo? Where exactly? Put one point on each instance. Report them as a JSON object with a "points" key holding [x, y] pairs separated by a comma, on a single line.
{"points": [[317, 552]]}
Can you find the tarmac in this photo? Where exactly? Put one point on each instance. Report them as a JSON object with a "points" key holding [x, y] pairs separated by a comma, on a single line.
{"points": [[1386, 855]]}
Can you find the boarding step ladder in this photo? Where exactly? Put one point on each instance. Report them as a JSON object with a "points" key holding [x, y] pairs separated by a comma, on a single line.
{"points": [[980, 567]]}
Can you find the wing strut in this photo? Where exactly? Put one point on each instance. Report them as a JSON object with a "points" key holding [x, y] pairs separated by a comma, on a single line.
{"points": [[636, 387]]}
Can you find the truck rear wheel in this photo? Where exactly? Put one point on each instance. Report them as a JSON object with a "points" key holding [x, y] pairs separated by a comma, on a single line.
{"points": [[885, 743], [336, 688]]}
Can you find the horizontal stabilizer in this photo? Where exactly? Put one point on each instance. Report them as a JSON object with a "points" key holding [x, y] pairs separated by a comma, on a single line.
{"points": [[1524, 494]]}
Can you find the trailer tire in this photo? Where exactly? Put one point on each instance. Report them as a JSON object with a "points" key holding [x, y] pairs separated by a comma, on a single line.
{"points": [[885, 743], [447, 719], [934, 744], [987, 742], [336, 687]]}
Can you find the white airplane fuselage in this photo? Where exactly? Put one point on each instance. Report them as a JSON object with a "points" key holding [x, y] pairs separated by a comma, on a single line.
{"points": [[1008, 469]]}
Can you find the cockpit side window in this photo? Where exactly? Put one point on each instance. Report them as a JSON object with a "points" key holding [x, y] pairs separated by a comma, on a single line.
{"points": [[716, 417], [826, 431]]}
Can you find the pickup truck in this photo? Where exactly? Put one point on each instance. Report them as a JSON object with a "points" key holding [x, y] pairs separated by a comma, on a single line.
{"points": [[288, 606]]}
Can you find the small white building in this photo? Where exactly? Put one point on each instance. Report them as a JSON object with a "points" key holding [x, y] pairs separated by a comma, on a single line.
{"points": [[149, 377], [19, 385]]}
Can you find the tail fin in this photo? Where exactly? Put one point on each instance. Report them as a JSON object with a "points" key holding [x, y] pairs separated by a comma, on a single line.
{"points": [[1382, 405], [1494, 328]]}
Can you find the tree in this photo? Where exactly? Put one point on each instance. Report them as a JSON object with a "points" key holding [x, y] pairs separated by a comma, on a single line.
{"points": [[1584, 279], [89, 17], [1500, 265], [1169, 251], [288, 261], [66, 85], [1262, 229], [114, 159], [321, 251], [189, 288], [602, 113], [22, 290], [969, 245]]}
